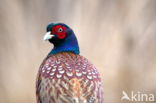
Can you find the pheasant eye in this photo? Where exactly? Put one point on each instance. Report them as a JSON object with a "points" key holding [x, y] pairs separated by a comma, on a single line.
{"points": [[60, 30]]}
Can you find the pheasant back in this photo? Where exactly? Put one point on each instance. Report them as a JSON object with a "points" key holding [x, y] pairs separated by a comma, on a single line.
{"points": [[68, 78]]}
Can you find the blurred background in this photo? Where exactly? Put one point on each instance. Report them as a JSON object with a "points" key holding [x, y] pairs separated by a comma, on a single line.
{"points": [[118, 36]]}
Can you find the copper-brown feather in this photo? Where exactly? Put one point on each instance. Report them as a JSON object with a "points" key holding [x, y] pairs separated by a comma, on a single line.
{"points": [[68, 78]]}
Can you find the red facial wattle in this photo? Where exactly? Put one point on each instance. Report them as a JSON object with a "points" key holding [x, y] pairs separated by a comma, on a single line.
{"points": [[60, 31]]}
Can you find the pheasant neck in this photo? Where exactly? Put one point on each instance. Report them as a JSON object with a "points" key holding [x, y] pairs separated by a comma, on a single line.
{"points": [[70, 44]]}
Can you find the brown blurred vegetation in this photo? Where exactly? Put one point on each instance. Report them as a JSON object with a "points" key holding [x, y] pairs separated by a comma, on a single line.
{"points": [[118, 36]]}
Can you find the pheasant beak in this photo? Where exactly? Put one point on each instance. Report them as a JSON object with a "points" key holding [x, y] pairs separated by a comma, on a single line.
{"points": [[48, 36]]}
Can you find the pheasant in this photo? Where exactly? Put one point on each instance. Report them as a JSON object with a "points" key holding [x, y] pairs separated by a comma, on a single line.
{"points": [[65, 76]]}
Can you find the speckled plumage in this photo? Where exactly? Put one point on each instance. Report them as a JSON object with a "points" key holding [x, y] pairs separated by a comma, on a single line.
{"points": [[65, 76], [68, 78]]}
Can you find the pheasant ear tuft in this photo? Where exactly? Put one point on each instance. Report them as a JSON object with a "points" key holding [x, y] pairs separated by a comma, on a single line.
{"points": [[49, 27]]}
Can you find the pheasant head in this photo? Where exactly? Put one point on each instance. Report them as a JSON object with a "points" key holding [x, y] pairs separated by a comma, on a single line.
{"points": [[62, 37]]}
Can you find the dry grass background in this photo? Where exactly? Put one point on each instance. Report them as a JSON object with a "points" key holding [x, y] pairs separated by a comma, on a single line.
{"points": [[118, 36]]}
